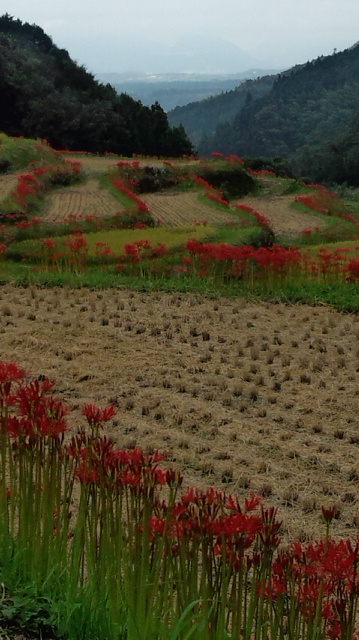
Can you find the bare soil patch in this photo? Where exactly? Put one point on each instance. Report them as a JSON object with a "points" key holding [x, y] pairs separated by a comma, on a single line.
{"points": [[176, 209], [242, 396], [84, 199]]}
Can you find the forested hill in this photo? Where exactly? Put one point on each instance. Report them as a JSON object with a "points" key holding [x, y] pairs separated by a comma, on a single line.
{"points": [[46, 94], [201, 118], [309, 115]]}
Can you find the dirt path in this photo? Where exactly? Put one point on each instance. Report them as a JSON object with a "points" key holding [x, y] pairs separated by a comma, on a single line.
{"points": [[242, 396]]}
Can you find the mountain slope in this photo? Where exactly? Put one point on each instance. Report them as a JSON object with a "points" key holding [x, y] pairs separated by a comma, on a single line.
{"points": [[308, 116], [45, 94], [201, 118]]}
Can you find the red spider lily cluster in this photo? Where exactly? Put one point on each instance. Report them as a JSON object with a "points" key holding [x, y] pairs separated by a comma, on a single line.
{"points": [[29, 410], [234, 159], [141, 206], [164, 546], [34, 183], [211, 192], [27, 185], [69, 254], [239, 260], [246, 262], [326, 202], [261, 220], [352, 269], [142, 249]]}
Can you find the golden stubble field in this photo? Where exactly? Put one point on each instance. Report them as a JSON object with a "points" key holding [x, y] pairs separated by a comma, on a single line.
{"points": [[242, 396]]}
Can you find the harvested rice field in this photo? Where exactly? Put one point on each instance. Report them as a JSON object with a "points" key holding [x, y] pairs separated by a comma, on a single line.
{"points": [[242, 396]]}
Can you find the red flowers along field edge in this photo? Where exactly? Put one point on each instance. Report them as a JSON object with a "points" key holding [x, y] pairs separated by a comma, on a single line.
{"points": [[160, 552]]}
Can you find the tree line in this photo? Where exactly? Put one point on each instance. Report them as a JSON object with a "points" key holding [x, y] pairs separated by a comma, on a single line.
{"points": [[45, 94]]}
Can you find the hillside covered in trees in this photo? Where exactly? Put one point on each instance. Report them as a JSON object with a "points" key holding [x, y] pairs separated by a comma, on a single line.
{"points": [[308, 115], [45, 94], [200, 119]]}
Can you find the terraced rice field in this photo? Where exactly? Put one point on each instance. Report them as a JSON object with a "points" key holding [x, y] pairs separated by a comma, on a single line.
{"points": [[242, 396], [7, 184], [284, 219], [183, 209], [174, 208], [80, 200]]}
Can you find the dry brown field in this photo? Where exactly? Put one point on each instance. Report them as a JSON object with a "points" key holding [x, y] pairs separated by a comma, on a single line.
{"points": [[185, 208], [7, 184], [243, 396], [284, 219], [80, 200]]}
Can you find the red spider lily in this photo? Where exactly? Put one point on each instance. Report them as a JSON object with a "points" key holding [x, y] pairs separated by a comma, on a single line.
{"points": [[352, 269], [40, 414], [238, 524], [131, 249], [216, 198], [160, 249], [96, 416], [157, 525], [85, 474], [328, 513], [234, 158], [17, 427], [49, 243], [140, 204], [271, 588], [251, 503], [173, 478], [10, 373], [77, 243], [270, 528], [202, 182]]}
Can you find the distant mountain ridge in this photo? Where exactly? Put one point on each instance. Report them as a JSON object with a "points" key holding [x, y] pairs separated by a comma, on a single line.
{"points": [[195, 53], [308, 115], [177, 89]]}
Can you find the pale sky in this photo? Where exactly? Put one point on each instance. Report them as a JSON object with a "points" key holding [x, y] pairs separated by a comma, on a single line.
{"points": [[138, 35]]}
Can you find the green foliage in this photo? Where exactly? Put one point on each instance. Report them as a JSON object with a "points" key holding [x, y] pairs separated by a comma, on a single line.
{"points": [[233, 180], [47, 95], [280, 166], [155, 179], [200, 119], [264, 237], [23, 608], [307, 115], [17, 153]]}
